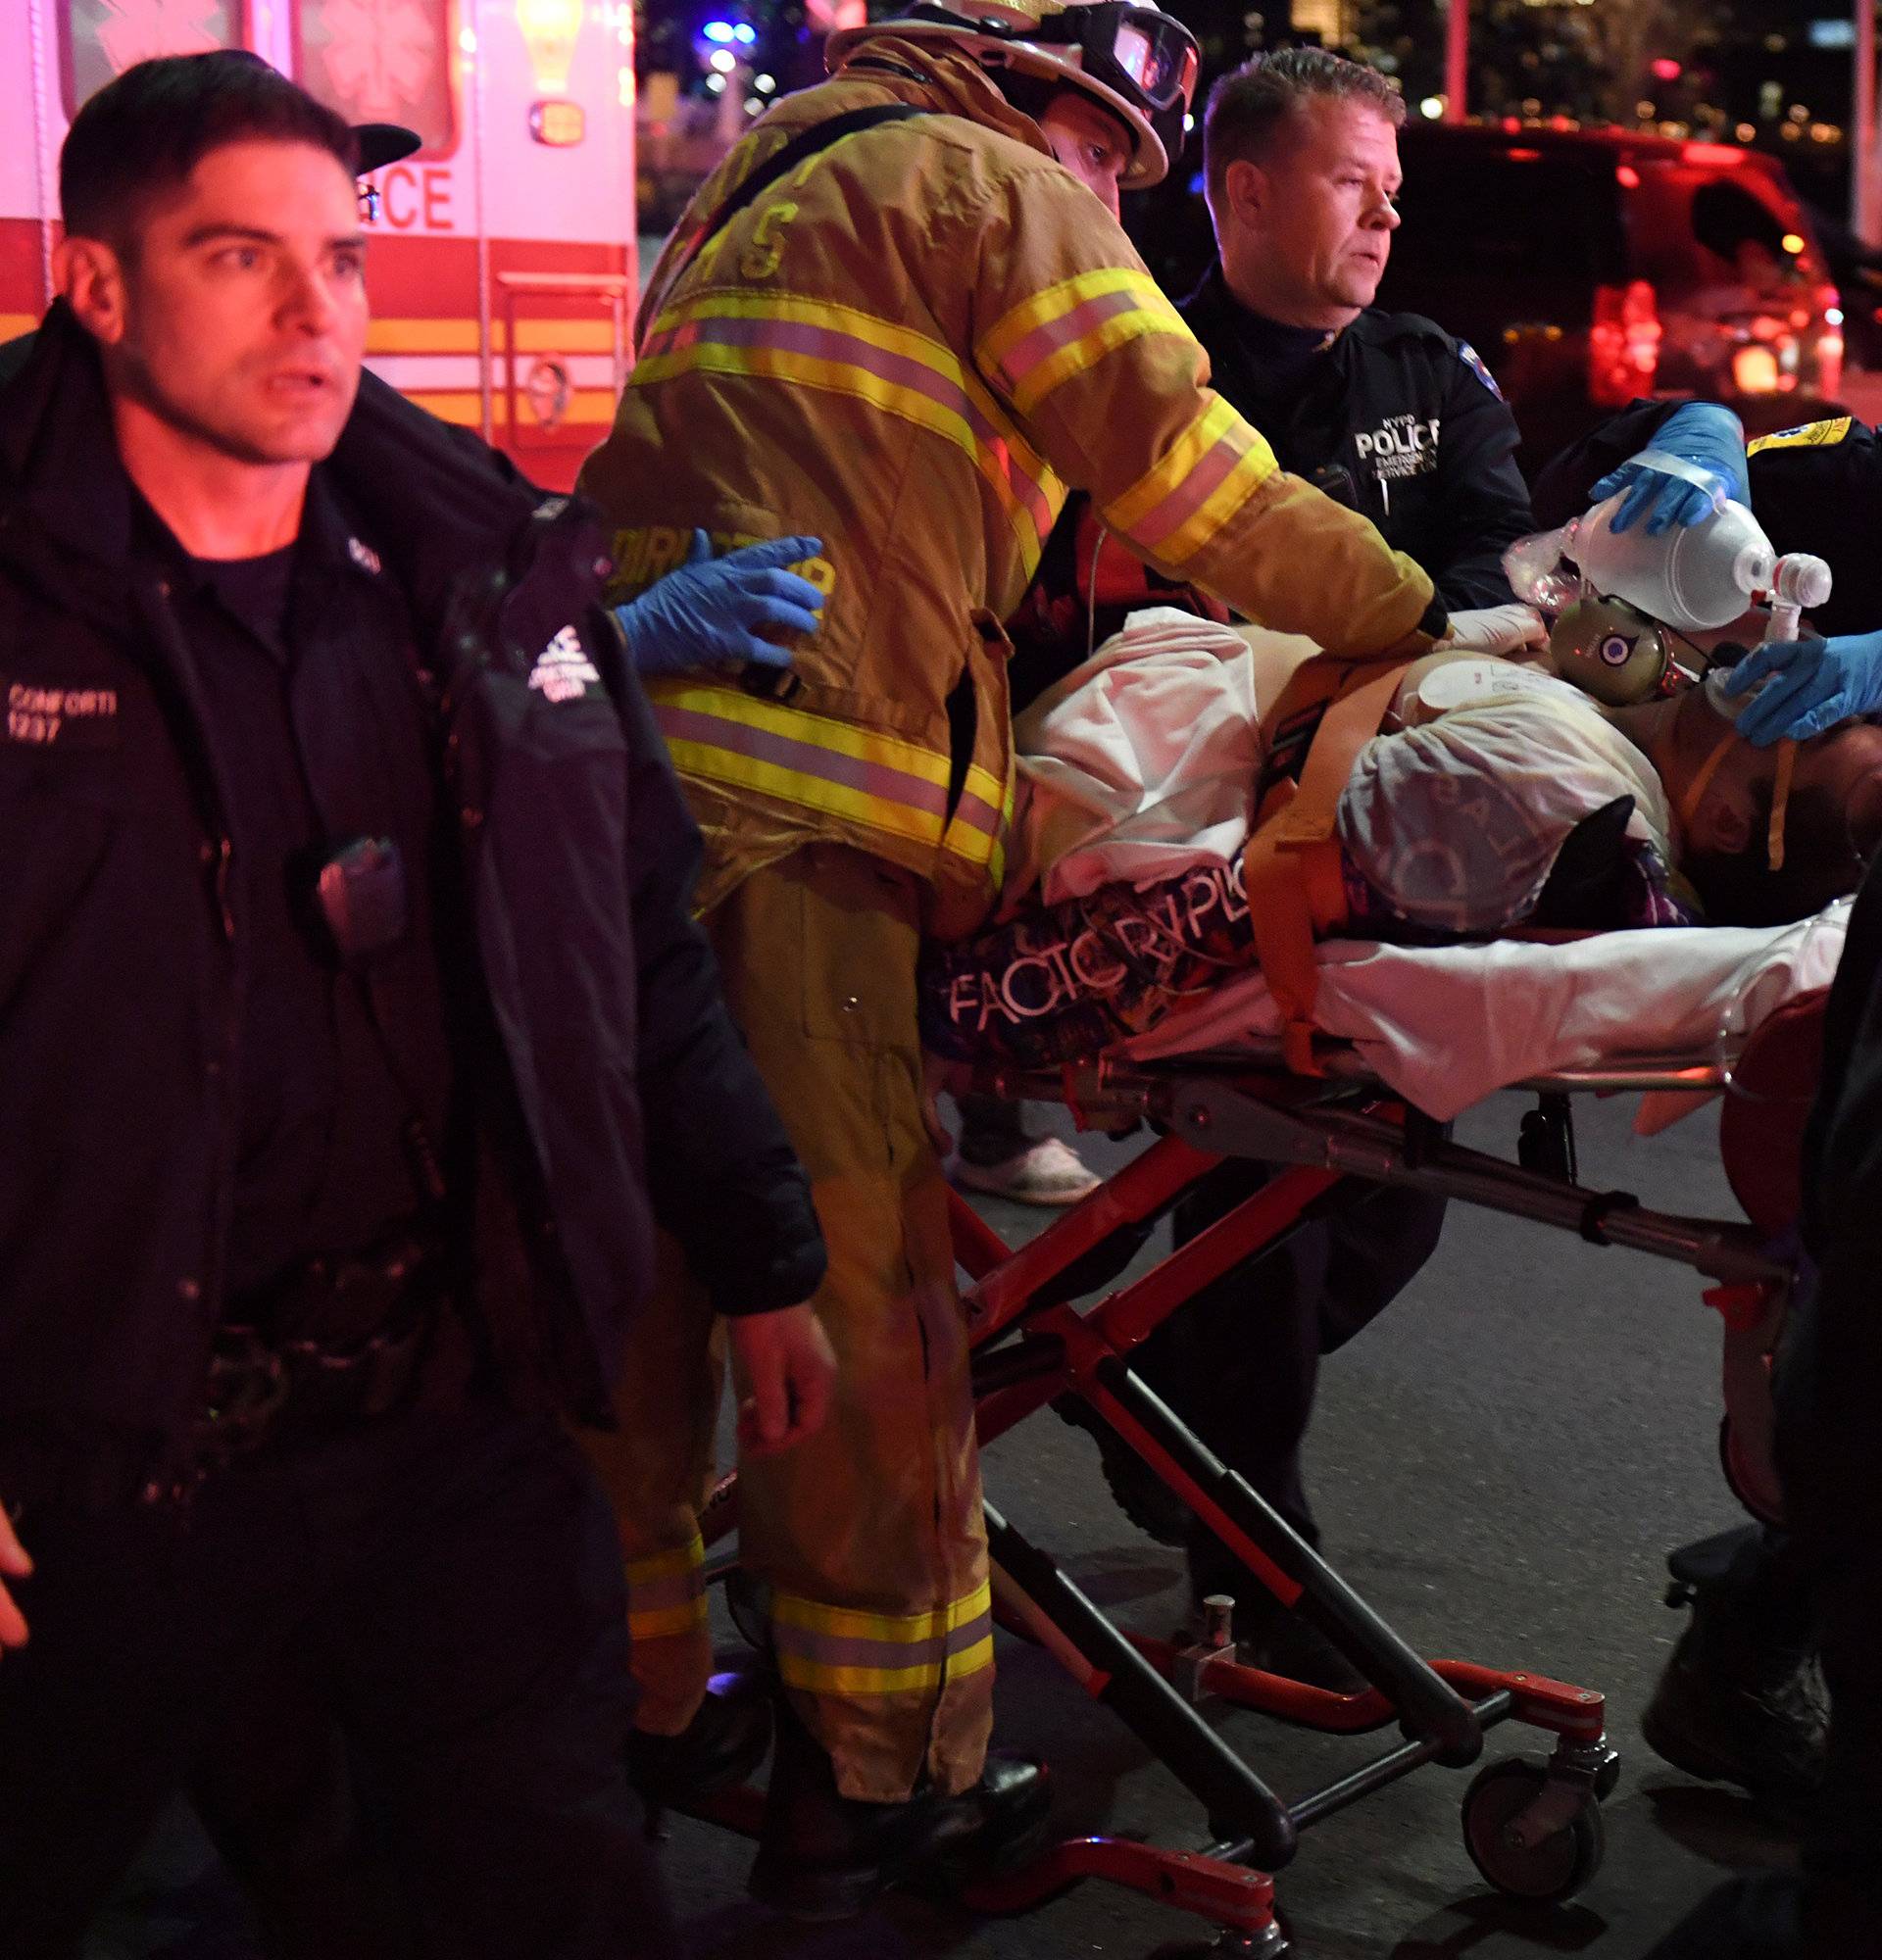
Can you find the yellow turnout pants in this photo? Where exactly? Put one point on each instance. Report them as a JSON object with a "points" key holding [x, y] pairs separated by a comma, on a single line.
{"points": [[868, 1537]]}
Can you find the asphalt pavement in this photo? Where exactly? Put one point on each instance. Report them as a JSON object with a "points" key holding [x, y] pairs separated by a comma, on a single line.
{"points": [[1499, 1464]]}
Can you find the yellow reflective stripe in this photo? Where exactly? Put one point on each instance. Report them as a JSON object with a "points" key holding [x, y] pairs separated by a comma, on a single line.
{"points": [[1245, 475], [837, 1650], [663, 1622], [713, 765], [1086, 352], [818, 1678], [1175, 463], [880, 332], [1045, 306], [1070, 327], [1205, 476], [724, 735], [997, 862], [791, 1609], [817, 344], [687, 1558], [667, 1591], [1808, 435]]}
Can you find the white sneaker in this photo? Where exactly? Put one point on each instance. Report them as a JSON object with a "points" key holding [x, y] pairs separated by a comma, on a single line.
{"points": [[1049, 1172]]}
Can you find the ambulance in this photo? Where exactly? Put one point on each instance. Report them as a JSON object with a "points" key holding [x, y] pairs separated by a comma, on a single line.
{"points": [[502, 269]]}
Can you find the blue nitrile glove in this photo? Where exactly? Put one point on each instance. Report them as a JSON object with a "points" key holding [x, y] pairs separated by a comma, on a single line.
{"points": [[711, 611], [1810, 685], [1712, 440]]}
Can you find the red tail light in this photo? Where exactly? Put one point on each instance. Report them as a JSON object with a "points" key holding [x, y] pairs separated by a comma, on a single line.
{"points": [[1829, 344], [1623, 344]]}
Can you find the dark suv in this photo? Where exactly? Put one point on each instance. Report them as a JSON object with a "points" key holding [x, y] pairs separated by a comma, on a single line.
{"points": [[1588, 268]]}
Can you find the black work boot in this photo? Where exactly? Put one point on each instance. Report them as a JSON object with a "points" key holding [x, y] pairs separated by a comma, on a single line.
{"points": [[1138, 1491], [1762, 1727], [1740, 1701], [721, 1746], [824, 1856]]}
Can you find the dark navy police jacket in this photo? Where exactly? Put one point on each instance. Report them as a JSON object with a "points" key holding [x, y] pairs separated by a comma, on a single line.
{"points": [[1396, 419], [611, 1087]]}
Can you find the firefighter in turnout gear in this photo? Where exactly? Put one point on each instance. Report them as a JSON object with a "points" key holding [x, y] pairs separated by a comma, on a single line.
{"points": [[901, 318]]}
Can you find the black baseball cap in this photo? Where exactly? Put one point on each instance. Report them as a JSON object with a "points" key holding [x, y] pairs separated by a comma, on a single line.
{"points": [[382, 143]]}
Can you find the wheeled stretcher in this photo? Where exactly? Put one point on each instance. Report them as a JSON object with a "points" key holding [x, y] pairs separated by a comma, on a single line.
{"points": [[1048, 1322]]}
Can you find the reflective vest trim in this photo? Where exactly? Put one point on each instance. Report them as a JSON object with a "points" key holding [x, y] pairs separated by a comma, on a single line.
{"points": [[1204, 478], [901, 372], [667, 1593], [1070, 326], [724, 736], [834, 1651]]}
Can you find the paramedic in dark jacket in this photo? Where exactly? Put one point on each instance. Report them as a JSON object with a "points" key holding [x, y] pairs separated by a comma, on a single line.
{"points": [[354, 1033], [1829, 1452], [1815, 488], [1739, 1698]]}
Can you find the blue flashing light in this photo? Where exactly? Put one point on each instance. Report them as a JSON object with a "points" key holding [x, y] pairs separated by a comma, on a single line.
{"points": [[745, 33], [719, 31], [1195, 184]]}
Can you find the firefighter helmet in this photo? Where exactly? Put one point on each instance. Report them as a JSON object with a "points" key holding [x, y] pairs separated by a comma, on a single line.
{"points": [[1128, 56]]}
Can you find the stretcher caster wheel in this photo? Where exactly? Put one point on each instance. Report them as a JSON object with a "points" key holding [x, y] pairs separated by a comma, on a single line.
{"points": [[1532, 1835]]}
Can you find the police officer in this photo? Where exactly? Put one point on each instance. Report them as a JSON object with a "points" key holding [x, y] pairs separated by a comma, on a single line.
{"points": [[353, 1029], [1384, 411]]}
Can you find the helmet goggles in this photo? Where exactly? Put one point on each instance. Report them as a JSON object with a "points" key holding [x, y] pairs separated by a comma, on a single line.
{"points": [[1138, 51], [1141, 52]]}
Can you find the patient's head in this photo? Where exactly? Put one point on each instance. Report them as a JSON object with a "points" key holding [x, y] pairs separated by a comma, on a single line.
{"points": [[1832, 817]]}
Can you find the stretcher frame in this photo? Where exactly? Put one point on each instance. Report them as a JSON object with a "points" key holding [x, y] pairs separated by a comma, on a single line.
{"points": [[1538, 1837]]}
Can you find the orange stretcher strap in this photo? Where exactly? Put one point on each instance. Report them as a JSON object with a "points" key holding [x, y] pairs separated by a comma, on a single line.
{"points": [[1780, 792], [1702, 780], [1780, 802], [1291, 867]]}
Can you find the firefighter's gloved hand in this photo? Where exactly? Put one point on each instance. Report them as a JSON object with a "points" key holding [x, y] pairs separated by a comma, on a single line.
{"points": [[714, 611], [1494, 629], [1709, 442], [1806, 686]]}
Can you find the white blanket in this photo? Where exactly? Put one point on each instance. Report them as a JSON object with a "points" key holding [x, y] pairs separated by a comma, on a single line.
{"points": [[1446, 1026], [1138, 764]]}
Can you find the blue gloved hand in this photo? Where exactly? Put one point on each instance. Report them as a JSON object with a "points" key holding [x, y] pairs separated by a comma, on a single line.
{"points": [[1810, 685], [1700, 433], [711, 611]]}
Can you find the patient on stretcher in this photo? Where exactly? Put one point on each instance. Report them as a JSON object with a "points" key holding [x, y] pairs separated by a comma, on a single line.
{"points": [[1494, 796]]}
